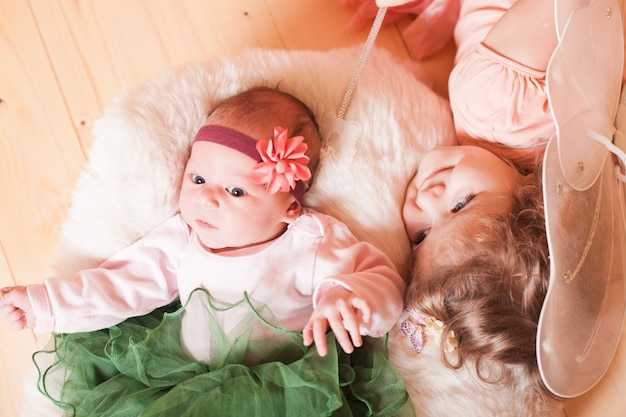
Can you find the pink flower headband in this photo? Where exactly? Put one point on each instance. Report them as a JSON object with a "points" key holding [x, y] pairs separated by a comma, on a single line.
{"points": [[281, 161]]}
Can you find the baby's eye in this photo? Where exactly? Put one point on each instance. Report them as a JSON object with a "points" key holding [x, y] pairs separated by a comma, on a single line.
{"points": [[421, 235], [235, 191], [460, 205], [197, 179]]}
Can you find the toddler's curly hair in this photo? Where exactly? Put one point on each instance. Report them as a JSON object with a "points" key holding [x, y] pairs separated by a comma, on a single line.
{"points": [[489, 289]]}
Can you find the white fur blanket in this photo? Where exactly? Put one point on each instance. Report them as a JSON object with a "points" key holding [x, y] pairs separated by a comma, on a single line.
{"points": [[141, 142], [130, 182]]}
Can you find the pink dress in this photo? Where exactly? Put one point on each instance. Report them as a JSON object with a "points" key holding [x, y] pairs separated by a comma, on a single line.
{"points": [[494, 99]]}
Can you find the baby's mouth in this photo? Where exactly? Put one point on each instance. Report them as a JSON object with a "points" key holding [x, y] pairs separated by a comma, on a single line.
{"points": [[205, 225]]}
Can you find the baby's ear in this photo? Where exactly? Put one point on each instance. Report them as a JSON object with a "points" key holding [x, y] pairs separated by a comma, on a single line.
{"points": [[293, 211]]}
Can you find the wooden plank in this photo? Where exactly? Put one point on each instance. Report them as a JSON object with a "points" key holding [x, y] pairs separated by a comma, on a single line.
{"points": [[84, 75], [40, 154], [16, 348], [95, 55], [322, 25], [97, 49]]}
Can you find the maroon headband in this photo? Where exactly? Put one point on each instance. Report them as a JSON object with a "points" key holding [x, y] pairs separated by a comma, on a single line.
{"points": [[229, 138], [242, 143]]}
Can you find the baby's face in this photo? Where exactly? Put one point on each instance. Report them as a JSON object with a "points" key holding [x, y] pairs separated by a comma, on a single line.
{"points": [[219, 201], [456, 184]]}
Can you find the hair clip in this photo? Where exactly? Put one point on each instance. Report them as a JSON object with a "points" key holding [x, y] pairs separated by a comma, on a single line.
{"points": [[423, 327]]}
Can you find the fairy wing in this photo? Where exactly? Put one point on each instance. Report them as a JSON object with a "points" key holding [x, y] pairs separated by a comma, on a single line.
{"points": [[582, 316]]}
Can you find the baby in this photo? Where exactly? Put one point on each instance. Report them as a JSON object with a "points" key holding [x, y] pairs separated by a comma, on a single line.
{"points": [[242, 241]]}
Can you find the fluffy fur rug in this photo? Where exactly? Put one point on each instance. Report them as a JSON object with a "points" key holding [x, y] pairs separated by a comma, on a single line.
{"points": [[130, 182], [439, 391], [141, 143]]}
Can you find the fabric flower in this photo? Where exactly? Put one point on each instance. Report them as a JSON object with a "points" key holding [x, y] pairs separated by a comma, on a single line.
{"points": [[283, 162]]}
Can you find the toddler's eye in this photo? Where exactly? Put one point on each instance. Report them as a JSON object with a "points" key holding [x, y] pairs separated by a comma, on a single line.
{"points": [[197, 179], [421, 235], [460, 205], [235, 191]]}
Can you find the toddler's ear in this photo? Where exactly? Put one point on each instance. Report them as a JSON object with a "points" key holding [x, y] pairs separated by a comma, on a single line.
{"points": [[293, 211], [530, 178]]}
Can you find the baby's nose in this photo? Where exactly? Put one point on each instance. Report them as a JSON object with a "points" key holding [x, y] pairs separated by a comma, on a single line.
{"points": [[208, 198]]}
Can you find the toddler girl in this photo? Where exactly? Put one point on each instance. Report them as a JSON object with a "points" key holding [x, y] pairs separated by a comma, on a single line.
{"points": [[475, 214]]}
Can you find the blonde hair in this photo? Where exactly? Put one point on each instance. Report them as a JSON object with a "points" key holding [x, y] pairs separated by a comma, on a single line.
{"points": [[255, 112], [492, 292]]}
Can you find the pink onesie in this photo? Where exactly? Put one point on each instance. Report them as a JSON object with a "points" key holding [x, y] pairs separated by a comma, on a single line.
{"points": [[493, 98], [288, 275]]}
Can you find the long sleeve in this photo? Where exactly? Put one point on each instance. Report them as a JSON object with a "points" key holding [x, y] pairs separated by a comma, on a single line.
{"points": [[364, 270], [132, 282]]}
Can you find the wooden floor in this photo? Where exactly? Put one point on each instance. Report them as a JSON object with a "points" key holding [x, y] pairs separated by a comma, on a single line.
{"points": [[61, 64]]}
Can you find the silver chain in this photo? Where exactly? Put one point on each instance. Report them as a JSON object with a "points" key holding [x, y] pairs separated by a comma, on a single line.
{"points": [[369, 43]]}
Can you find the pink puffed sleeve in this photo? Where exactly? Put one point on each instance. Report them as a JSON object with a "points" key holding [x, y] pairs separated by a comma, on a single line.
{"points": [[493, 98], [131, 283]]}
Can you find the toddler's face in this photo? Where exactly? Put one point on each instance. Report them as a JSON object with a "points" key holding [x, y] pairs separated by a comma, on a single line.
{"points": [[223, 206], [453, 186]]}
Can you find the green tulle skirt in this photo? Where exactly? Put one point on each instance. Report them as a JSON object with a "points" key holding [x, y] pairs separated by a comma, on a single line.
{"points": [[138, 368]]}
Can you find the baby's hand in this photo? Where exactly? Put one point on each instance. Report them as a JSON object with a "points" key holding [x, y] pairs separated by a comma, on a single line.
{"points": [[340, 309], [15, 305]]}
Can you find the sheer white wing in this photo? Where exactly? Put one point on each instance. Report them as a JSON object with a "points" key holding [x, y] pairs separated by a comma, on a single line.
{"points": [[582, 316]]}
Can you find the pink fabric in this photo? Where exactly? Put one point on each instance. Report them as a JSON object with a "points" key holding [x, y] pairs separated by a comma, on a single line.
{"points": [[287, 275], [430, 30], [496, 99], [492, 97]]}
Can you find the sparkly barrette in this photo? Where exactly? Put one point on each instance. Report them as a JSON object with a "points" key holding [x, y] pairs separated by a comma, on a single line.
{"points": [[422, 327], [283, 162]]}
